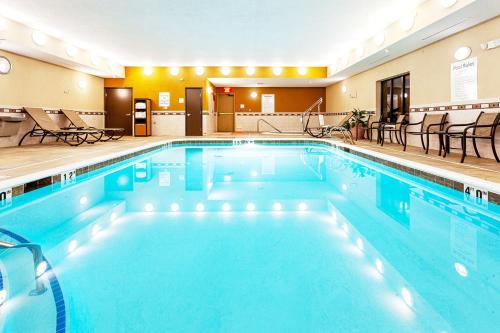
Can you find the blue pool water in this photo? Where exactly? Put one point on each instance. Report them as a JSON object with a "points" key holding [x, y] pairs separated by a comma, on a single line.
{"points": [[251, 239]]}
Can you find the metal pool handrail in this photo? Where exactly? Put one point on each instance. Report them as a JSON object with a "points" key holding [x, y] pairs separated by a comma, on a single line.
{"points": [[267, 123], [36, 251]]}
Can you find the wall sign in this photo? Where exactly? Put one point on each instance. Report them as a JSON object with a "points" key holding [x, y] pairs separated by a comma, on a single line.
{"points": [[267, 103], [464, 80], [5, 197], [475, 195], [68, 178], [164, 99]]}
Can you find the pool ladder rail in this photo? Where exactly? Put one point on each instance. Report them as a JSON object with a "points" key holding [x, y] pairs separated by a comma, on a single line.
{"points": [[305, 123], [36, 251]]}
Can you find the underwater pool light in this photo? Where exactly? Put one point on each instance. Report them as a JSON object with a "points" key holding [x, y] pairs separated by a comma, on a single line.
{"points": [[95, 229], [251, 207], [277, 206], [84, 200], [360, 244], [41, 268], [227, 178], [200, 207], [149, 207], [302, 206], [407, 297], [175, 207], [461, 269], [344, 187], [379, 266], [254, 174], [72, 245], [226, 207], [3, 296]]}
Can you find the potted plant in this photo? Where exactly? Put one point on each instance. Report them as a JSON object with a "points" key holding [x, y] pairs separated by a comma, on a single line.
{"points": [[356, 124]]}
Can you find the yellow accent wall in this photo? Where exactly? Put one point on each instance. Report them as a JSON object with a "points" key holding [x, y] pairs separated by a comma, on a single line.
{"points": [[39, 84], [162, 81], [429, 69]]}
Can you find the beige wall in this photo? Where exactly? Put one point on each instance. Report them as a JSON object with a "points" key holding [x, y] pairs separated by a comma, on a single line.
{"points": [[36, 83], [429, 68]]}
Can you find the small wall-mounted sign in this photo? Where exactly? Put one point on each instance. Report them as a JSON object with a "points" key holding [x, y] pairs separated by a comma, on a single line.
{"points": [[68, 178], [475, 195], [5, 197], [164, 99]]}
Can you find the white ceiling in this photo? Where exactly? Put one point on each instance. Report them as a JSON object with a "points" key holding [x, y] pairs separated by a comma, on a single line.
{"points": [[269, 82], [215, 32]]}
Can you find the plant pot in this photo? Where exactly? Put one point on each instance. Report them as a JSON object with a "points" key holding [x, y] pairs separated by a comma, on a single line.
{"points": [[358, 132]]}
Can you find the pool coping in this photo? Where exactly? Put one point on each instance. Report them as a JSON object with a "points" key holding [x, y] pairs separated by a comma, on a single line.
{"points": [[454, 180]]}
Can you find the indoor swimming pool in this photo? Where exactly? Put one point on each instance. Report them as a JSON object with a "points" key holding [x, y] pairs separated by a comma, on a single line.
{"points": [[250, 238]]}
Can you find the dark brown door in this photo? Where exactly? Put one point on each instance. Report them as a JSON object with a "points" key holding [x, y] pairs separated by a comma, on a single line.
{"points": [[118, 106], [194, 112], [225, 113]]}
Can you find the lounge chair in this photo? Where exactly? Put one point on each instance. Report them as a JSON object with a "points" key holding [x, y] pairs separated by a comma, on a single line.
{"points": [[45, 126], [392, 128], [78, 123], [429, 125], [373, 123], [327, 130], [484, 128]]}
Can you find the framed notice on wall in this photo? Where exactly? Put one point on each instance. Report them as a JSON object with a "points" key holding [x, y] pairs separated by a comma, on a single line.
{"points": [[464, 80], [164, 99], [267, 103]]}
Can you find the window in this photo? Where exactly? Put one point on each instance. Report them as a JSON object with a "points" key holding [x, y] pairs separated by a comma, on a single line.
{"points": [[395, 97]]}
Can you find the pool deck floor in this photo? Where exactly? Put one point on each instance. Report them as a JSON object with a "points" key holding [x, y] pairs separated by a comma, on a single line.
{"points": [[20, 162]]}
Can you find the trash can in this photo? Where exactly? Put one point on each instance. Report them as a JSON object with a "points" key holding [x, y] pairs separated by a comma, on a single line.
{"points": [[10, 123]]}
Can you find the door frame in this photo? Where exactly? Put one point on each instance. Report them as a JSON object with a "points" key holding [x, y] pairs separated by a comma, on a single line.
{"points": [[131, 103], [185, 109], [234, 109]]}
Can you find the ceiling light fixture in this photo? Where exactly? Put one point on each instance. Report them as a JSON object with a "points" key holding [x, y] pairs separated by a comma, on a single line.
{"points": [[302, 70], [199, 70], [253, 94], [39, 38], [174, 71], [148, 71], [379, 38], [225, 71], [71, 50], [3, 24], [94, 59], [277, 71], [250, 71], [463, 53], [407, 21], [447, 3]]}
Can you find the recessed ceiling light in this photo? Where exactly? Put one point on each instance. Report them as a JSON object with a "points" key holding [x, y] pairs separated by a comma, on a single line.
{"points": [[70, 50], [461, 269], [94, 59], [174, 71], [407, 297], [250, 70], [302, 70], [379, 38], [199, 70], [148, 71], [39, 38], [277, 71], [447, 3], [226, 70], [407, 21], [3, 24], [463, 53]]}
